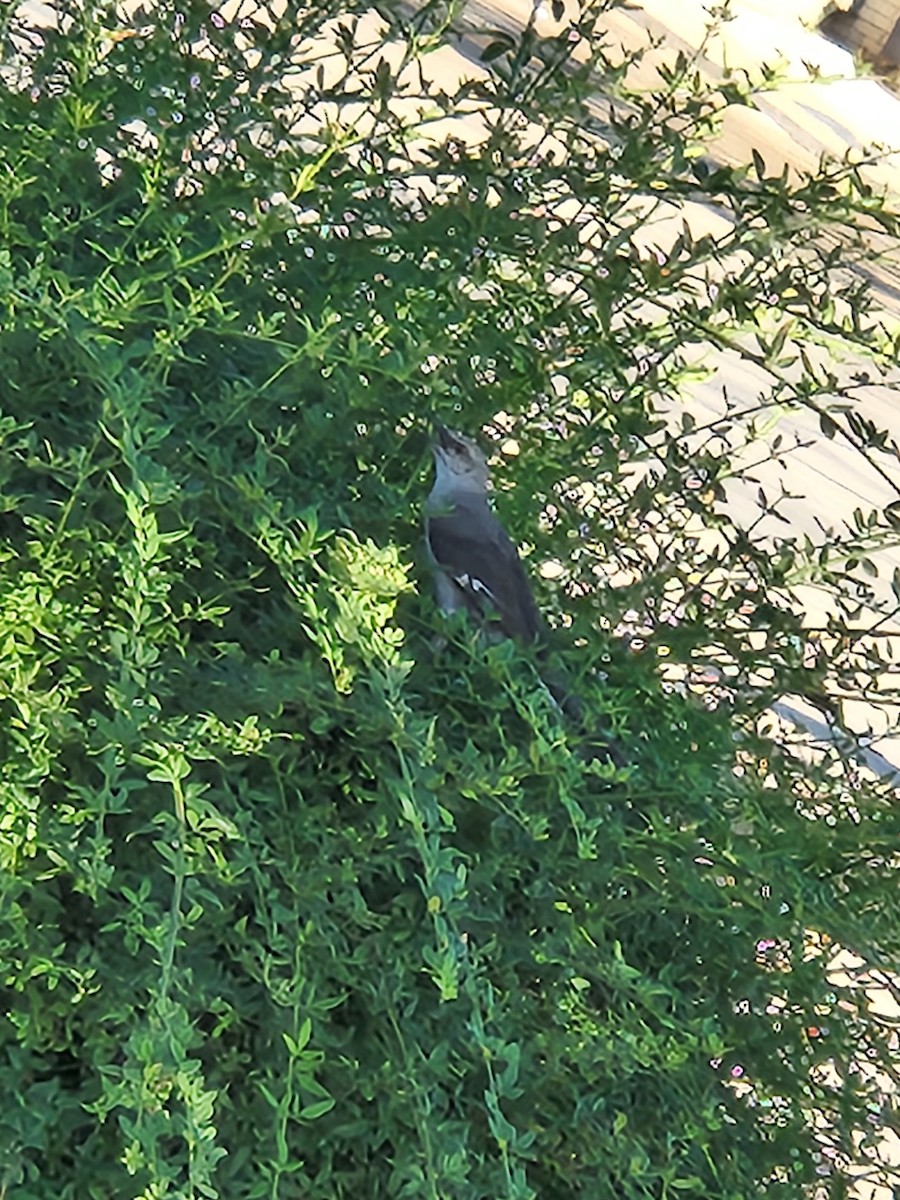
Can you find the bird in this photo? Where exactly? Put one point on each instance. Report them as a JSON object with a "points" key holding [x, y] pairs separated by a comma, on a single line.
{"points": [[476, 565]]}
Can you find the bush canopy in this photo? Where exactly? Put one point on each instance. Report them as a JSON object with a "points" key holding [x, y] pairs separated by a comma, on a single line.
{"points": [[307, 891]]}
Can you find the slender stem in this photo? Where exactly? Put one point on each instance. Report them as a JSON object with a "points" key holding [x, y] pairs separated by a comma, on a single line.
{"points": [[168, 956]]}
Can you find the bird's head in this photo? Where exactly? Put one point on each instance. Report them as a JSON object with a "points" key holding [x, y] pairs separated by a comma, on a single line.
{"points": [[459, 462]]}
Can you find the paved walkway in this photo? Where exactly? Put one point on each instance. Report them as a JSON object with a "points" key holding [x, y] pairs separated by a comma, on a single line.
{"points": [[824, 107]]}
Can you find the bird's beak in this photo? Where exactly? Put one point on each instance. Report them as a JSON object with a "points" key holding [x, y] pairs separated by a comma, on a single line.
{"points": [[443, 437]]}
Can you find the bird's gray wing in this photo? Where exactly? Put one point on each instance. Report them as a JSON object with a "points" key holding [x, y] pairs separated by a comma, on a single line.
{"points": [[475, 553]]}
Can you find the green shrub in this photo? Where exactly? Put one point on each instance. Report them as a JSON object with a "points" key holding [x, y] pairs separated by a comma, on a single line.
{"points": [[297, 901]]}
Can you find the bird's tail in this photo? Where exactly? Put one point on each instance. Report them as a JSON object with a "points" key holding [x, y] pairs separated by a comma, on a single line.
{"points": [[599, 746]]}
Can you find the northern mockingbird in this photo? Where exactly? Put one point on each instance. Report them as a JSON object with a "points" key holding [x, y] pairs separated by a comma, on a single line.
{"points": [[475, 562]]}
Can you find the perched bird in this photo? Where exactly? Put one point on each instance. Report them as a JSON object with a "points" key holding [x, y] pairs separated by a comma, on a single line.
{"points": [[476, 565]]}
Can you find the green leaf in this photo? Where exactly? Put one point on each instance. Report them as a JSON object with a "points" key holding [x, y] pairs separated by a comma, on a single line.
{"points": [[497, 48], [312, 1112]]}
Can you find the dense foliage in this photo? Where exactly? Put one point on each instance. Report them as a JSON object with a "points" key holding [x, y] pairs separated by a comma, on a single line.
{"points": [[298, 897]]}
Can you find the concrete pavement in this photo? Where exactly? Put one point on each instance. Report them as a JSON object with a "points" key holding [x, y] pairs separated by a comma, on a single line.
{"points": [[824, 107]]}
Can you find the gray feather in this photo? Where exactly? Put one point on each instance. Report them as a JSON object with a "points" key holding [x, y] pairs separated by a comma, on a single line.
{"points": [[479, 561]]}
